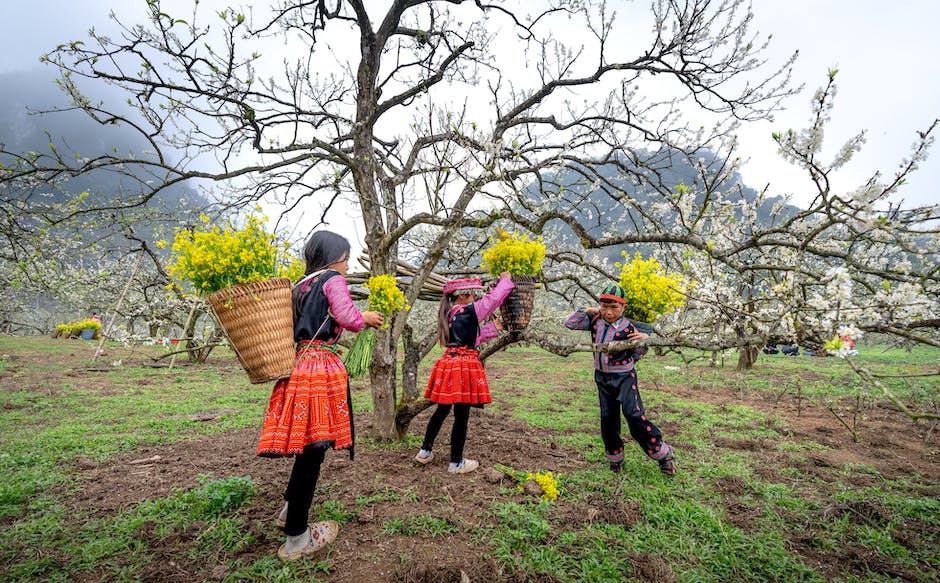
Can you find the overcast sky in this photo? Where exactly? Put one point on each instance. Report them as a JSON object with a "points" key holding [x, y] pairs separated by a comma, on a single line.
{"points": [[886, 53]]}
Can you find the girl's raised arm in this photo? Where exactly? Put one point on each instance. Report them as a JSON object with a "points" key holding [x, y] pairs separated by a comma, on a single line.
{"points": [[486, 305]]}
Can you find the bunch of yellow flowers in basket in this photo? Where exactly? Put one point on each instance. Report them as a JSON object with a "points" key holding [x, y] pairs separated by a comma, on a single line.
{"points": [[213, 258], [514, 253]]}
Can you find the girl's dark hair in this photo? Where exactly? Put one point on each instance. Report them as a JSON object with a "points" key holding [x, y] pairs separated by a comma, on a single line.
{"points": [[324, 248], [443, 330]]}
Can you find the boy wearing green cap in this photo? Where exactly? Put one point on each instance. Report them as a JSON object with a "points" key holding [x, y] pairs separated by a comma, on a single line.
{"points": [[616, 381]]}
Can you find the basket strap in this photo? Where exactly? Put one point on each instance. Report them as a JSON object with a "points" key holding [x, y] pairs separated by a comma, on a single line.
{"points": [[306, 277], [329, 314]]}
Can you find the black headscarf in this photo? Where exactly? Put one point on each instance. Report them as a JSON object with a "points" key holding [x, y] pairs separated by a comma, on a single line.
{"points": [[324, 248]]}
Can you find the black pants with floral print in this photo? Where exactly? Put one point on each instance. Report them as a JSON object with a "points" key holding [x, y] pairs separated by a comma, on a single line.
{"points": [[617, 391]]}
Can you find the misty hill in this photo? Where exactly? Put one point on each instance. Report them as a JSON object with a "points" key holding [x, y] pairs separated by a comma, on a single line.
{"points": [[600, 213], [24, 127]]}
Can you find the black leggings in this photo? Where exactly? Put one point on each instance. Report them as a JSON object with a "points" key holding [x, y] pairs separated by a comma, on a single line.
{"points": [[300, 487], [458, 435]]}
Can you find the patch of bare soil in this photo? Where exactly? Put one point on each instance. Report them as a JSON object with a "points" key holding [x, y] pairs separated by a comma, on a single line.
{"points": [[887, 441], [363, 552], [649, 568]]}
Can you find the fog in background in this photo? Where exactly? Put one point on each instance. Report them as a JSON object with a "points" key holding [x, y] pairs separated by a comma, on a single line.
{"points": [[888, 81]]}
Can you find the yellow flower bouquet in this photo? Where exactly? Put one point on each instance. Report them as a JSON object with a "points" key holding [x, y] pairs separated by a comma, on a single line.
{"points": [[386, 298], [650, 290]]}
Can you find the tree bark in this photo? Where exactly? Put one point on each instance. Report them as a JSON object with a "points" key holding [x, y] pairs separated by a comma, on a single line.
{"points": [[382, 380], [747, 356]]}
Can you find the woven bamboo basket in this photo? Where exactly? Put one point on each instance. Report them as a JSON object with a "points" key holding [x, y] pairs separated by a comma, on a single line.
{"points": [[259, 323], [516, 309]]}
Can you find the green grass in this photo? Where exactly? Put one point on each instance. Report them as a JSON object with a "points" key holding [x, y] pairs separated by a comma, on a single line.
{"points": [[120, 412], [421, 525], [684, 520], [816, 378], [44, 549], [688, 521]]}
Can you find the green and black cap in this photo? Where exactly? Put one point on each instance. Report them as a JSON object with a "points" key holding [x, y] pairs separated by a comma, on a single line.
{"points": [[614, 293]]}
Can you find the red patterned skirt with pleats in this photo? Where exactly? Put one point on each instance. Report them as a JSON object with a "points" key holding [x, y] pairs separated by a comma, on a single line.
{"points": [[310, 407], [458, 377]]}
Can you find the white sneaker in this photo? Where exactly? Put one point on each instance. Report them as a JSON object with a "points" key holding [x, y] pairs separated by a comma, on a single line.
{"points": [[465, 466]]}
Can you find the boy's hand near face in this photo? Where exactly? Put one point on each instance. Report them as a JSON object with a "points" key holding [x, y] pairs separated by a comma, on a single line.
{"points": [[592, 311]]}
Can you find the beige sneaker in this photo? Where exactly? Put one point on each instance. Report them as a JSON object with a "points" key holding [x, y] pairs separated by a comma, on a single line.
{"points": [[321, 535], [465, 466], [424, 459]]}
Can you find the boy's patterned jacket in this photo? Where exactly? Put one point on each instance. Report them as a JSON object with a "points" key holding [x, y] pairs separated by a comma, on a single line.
{"points": [[602, 333]]}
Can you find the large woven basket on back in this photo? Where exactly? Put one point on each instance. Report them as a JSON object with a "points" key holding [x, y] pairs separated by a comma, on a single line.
{"points": [[258, 321], [516, 309]]}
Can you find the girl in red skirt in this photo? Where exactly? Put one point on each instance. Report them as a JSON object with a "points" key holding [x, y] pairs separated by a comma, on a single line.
{"points": [[312, 410], [457, 379]]}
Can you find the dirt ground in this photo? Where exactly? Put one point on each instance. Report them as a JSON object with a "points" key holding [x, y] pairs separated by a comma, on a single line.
{"points": [[364, 553]]}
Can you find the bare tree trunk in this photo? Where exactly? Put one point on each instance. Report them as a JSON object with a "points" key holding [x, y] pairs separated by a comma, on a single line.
{"points": [[408, 411], [412, 402], [382, 378], [747, 356], [414, 354]]}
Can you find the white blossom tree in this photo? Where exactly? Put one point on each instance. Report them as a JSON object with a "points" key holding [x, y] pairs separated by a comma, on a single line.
{"points": [[437, 116]]}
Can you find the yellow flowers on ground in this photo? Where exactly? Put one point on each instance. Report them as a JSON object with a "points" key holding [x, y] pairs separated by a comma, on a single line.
{"points": [[212, 258], [651, 291], [514, 253], [548, 483]]}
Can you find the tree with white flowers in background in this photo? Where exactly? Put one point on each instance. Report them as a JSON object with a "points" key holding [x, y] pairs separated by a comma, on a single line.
{"points": [[409, 113]]}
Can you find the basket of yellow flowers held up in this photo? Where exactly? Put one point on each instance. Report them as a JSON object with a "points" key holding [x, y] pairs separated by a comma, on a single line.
{"points": [[237, 269], [522, 258]]}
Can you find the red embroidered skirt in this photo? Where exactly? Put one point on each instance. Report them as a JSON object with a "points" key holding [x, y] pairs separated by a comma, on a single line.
{"points": [[458, 377], [311, 407]]}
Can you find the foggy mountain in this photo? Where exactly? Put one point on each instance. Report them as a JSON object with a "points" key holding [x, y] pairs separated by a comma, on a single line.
{"points": [[600, 213], [24, 127]]}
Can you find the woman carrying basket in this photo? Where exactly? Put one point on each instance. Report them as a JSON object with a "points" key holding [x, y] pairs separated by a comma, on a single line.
{"points": [[312, 410]]}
